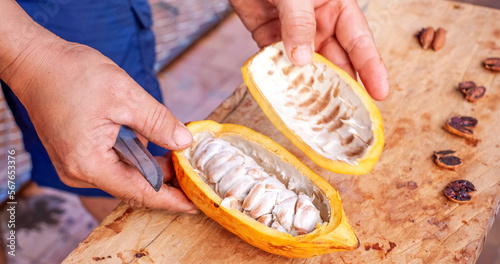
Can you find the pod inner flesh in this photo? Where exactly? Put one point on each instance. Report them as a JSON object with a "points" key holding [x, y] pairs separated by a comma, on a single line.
{"points": [[315, 103], [256, 182]]}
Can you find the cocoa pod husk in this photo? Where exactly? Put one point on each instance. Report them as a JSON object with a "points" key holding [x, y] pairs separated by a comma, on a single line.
{"points": [[439, 39]]}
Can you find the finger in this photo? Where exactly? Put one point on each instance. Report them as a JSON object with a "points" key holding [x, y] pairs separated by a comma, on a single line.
{"points": [[326, 19], [254, 13], [298, 26], [151, 119], [332, 50], [267, 33], [354, 35], [125, 182], [166, 167], [172, 181]]}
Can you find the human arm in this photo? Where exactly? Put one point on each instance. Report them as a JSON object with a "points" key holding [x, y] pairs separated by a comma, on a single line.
{"points": [[77, 99]]}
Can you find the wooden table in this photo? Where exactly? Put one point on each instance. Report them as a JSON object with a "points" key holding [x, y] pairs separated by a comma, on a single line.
{"points": [[401, 202]]}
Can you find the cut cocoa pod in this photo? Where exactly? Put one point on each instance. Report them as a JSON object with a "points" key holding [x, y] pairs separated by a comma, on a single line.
{"points": [[426, 37], [492, 64], [459, 191], [439, 39], [462, 126], [259, 191], [447, 160], [319, 107], [471, 91]]}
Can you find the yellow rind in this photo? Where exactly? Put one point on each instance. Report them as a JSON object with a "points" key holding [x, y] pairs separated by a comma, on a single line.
{"points": [[364, 164], [336, 235]]}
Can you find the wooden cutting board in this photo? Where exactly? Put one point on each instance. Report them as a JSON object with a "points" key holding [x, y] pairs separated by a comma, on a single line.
{"points": [[398, 210]]}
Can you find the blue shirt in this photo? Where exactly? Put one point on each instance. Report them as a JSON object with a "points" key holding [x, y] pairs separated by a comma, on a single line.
{"points": [[119, 29]]}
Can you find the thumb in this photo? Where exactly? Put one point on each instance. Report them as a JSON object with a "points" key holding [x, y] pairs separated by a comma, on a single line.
{"points": [[155, 122], [298, 27]]}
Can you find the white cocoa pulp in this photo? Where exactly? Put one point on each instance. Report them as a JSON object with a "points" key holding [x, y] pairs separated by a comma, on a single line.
{"points": [[315, 103], [258, 183]]}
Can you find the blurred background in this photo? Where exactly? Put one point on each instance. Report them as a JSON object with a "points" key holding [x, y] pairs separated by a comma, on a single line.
{"points": [[201, 45]]}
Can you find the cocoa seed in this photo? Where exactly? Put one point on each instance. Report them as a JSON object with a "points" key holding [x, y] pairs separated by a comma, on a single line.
{"points": [[444, 152], [458, 191], [464, 86], [462, 126], [426, 37], [471, 91], [447, 160], [475, 93], [492, 64], [439, 39]]}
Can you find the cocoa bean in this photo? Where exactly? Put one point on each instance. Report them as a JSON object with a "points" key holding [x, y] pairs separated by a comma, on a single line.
{"points": [[462, 126], [471, 91], [445, 159], [492, 64], [459, 191], [426, 37], [475, 93], [464, 86], [439, 39]]}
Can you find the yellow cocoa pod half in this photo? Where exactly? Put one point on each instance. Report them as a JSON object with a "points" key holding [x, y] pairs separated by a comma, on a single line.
{"points": [[215, 146], [319, 107]]}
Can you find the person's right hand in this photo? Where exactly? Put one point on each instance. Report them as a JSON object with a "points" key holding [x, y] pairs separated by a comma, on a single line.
{"points": [[336, 29], [77, 100]]}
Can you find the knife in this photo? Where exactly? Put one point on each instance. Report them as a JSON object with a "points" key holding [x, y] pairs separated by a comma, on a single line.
{"points": [[132, 151]]}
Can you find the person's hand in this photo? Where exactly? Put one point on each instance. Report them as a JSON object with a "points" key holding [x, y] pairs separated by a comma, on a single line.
{"points": [[337, 29], [77, 100]]}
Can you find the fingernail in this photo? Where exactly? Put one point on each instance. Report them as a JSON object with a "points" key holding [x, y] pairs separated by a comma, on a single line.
{"points": [[301, 55], [182, 136]]}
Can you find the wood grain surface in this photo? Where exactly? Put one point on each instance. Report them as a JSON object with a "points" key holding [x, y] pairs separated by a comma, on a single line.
{"points": [[398, 210]]}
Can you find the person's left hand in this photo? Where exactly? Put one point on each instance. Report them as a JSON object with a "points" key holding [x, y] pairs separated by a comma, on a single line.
{"points": [[336, 29]]}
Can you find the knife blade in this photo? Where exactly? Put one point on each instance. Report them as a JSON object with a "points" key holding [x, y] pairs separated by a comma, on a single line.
{"points": [[133, 152]]}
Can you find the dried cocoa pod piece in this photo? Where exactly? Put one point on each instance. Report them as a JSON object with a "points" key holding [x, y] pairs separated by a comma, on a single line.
{"points": [[426, 37], [492, 64], [447, 160], [459, 191], [439, 39], [462, 126]]}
